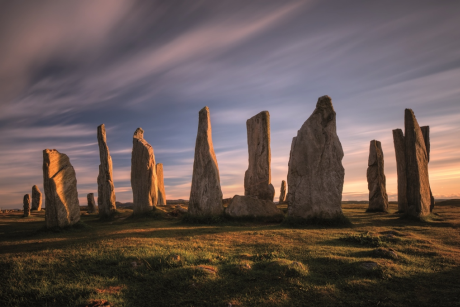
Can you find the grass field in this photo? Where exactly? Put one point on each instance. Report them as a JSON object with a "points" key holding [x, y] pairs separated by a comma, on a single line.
{"points": [[158, 260]]}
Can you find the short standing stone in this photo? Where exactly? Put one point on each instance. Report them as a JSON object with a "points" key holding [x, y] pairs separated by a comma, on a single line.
{"points": [[282, 192], [257, 179], [426, 138], [418, 185], [251, 206], [60, 185], [400, 152], [91, 203], [26, 202], [105, 188], [36, 198], [143, 175], [206, 193], [161, 185], [376, 181], [315, 173]]}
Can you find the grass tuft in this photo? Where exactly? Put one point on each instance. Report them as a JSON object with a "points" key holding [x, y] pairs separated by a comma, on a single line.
{"points": [[340, 221]]}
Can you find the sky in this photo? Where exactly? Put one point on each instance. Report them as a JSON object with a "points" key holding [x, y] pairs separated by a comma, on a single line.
{"points": [[68, 66]]}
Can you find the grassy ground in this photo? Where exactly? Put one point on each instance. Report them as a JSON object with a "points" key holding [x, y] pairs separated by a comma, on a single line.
{"points": [[162, 261]]}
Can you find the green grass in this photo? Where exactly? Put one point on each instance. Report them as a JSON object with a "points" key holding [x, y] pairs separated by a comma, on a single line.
{"points": [[160, 260]]}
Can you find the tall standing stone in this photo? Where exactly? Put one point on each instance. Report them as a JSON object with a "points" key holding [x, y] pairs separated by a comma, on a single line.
{"points": [[400, 152], [105, 188], [426, 138], [282, 192], [36, 198], [26, 203], [257, 179], [376, 181], [206, 193], [143, 174], [418, 185], [315, 173], [161, 185], [91, 203], [60, 185]]}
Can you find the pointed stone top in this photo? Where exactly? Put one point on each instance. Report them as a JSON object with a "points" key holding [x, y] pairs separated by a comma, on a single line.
{"points": [[35, 187], [160, 164], [373, 152], [324, 102], [205, 109], [139, 134], [101, 126]]}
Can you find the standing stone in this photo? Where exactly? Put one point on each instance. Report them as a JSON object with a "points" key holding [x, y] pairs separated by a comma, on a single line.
{"points": [[418, 185], [257, 179], [400, 152], [36, 198], [26, 202], [205, 194], [60, 184], [143, 174], [105, 188], [91, 203], [282, 192], [376, 181], [315, 173], [161, 185], [426, 138]]}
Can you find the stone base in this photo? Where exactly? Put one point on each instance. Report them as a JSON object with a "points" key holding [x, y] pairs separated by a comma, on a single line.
{"points": [[251, 207]]}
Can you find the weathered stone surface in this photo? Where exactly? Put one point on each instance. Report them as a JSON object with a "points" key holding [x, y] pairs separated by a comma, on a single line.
{"points": [[418, 185], [143, 174], [206, 193], [257, 179], [315, 173], [161, 185], [400, 152], [106, 199], [26, 203], [250, 206], [376, 180], [426, 138], [282, 198], [91, 203], [60, 185], [36, 198]]}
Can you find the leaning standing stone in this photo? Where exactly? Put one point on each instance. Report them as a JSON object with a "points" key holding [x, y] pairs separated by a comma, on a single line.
{"points": [[61, 196], [26, 203], [36, 198], [315, 173], [161, 185], [143, 174], [257, 179], [376, 181], [91, 203], [418, 185], [282, 192], [205, 194], [105, 188], [400, 152], [426, 138]]}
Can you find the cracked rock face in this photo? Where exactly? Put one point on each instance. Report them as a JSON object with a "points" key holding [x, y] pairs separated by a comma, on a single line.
{"points": [[376, 181], [206, 193], [161, 185], [143, 175], [91, 203], [426, 138], [282, 198], [400, 152], [418, 185], [257, 179], [60, 185], [36, 198], [315, 173], [26, 203], [105, 188]]}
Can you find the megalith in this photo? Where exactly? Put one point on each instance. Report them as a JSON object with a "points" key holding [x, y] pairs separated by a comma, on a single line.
{"points": [[161, 185], [426, 138], [315, 171], [418, 185], [105, 188], [400, 152], [36, 198], [253, 207], [60, 186], [143, 174], [257, 178], [205, 193], [282, 198], [91, 203], [376, 180], [26, 204]]}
